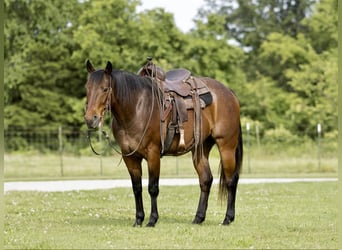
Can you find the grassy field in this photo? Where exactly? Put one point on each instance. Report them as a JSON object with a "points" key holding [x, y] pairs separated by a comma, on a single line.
{"points": [[266, 164], [276, 216]]}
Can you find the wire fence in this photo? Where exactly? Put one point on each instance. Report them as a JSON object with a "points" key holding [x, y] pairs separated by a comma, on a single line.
{"points": [[65, 152], [69, 139]]}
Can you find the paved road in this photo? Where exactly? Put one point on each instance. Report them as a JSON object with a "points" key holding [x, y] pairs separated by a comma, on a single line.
{"points": [[60, 186]]}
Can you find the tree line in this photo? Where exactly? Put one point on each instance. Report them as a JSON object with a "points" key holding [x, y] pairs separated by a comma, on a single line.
{"points": [[279, 57]]}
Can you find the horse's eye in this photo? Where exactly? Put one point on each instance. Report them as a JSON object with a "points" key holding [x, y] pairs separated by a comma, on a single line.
{"points": [[105, 89]]}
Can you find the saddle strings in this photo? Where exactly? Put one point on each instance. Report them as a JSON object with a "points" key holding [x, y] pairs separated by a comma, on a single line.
{"points": [[160, 99]]}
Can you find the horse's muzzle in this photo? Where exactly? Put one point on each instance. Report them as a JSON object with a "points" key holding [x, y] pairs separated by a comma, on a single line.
{"points": [[93, 121]]}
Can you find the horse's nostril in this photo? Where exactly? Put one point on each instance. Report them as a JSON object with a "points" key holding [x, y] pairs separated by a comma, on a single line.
{"points": [[94, 117]]}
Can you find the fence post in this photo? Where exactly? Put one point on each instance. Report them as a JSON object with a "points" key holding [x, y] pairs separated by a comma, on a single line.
{"points": [[60, 139], [177, 166], [100, 139], [257, 136], [319, 130], [248, 146]]}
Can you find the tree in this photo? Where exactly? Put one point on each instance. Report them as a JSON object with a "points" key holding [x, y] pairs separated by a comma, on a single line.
{"points": [[37, 63], [47, 43], [107, 32], [289, 63], [111, 30], [208, 53], [322, 26], [280, 53], [249, 22], [315, 84], [283, 68], [159, 37]]}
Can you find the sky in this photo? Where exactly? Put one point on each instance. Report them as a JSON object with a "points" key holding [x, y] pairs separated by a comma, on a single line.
{"points": [[183, 10]]}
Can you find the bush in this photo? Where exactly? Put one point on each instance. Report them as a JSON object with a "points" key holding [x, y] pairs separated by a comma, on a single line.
{"points": [[16, 143], [280, 136]]}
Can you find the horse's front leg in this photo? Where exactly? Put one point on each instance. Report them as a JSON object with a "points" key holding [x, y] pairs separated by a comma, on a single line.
{"points": [[134, 169], [153, 187]]}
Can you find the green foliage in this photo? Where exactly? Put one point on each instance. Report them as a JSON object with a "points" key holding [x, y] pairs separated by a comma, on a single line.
{"points": [[249, 22], [279, 53], [281, 136], [322, 26], [37, 67], [283, 69], [315, 85]]}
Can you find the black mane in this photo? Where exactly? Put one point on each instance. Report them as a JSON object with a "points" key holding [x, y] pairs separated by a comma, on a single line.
{"points": [[128, 85]]}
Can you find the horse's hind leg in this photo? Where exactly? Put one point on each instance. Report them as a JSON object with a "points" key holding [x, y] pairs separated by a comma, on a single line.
{"points": [[201, 164], [228, 182], [232, 186]]}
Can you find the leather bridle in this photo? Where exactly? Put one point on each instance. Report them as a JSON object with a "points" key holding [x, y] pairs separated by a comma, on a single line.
{"points": [[105, 134]]}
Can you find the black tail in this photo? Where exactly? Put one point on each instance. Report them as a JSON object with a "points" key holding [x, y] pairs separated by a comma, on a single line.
{"points": [[223, 187]]}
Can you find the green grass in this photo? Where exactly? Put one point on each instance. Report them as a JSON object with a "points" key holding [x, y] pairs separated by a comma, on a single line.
{"points": [[256, 163], [287, 216]]}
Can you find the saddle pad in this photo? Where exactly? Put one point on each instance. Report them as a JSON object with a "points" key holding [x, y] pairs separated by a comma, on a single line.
{"points": [[205, 100]]}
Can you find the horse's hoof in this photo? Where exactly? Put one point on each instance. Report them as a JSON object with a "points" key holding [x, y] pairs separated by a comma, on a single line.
{"points": [[227, 221], [137, 223], [150, 224], [198, 220]]}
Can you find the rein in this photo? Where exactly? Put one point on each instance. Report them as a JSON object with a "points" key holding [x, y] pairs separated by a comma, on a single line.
{"points": [[105, 134]]}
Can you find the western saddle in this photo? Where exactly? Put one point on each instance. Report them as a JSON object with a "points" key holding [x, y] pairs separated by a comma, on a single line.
{"points": [[181, 92]]}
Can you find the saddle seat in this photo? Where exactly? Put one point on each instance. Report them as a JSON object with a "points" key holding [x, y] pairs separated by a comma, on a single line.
{"points": [[182, 83], [177, 75], [175, 81]]}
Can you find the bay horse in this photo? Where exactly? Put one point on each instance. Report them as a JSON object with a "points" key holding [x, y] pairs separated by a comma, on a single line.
{"points": [[135, 109]]}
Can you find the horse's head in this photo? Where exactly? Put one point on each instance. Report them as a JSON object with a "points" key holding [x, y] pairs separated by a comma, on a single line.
{"points": [[99, 91]]}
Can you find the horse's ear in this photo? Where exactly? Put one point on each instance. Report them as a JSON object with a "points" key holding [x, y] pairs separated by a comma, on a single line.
{"points": [[90, 67], [109, 68]]}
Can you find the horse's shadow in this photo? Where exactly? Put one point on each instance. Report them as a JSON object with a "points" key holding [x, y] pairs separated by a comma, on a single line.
{"points": [[125, 221]]}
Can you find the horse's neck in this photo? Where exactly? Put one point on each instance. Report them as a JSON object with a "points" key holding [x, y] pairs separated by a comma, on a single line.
{"points": [[134, 114]]}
